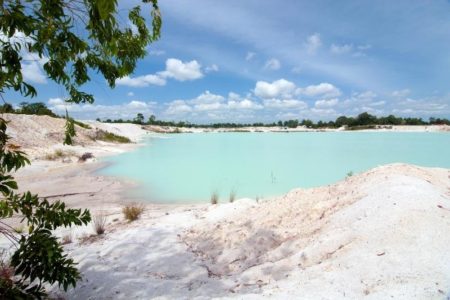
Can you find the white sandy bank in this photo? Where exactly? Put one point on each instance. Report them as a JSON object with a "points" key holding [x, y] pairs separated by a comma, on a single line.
{"points": [[381, 234], [378, 235]]}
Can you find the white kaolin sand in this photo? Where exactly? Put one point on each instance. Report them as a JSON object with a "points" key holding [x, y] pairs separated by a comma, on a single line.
{"points": [[377, 235]]}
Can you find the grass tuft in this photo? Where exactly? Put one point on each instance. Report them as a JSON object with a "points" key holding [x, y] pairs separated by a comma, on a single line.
{"points": [[214, 198], [132, 212], [99, 223], [59, 154], [66, 239], [232, 196]]}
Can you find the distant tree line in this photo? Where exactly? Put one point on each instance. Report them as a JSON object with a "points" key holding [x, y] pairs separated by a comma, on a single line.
{"points": [[362, 121], [37, 108]]}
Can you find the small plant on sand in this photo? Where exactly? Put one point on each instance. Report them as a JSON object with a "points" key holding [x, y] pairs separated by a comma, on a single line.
{"points": [[232, 196], [59, 154], [99, 222], [214, 198], [85, 157], [66, 239], [19, 229], [349, 174], [132, 212]]}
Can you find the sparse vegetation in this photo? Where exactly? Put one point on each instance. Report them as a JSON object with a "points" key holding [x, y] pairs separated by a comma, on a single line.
{"points": [[110, 137], [19, 229], [232, 196], [59, 154], [66, 239], [214, 198], [81, 124], [132, 212], [85, 157], [99, 223]]}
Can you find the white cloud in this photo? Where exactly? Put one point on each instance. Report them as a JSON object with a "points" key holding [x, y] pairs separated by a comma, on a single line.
{"points": [[272, 64], [141, 81], [55, 101], [401, 93], [130, 94], [212, 68], [326, 103], [92, 111], [175, 69], [207, 98], [156, 52], [250, 56], [178, 107], [181, 71], [211, 105], [32, 72], [243, 104], [281, 88], [285, 104], [323, 89], [341, 49], [313, 43]]}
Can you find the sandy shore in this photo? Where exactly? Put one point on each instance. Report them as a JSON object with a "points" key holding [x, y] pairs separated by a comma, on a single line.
{"points": [[377, 235]]}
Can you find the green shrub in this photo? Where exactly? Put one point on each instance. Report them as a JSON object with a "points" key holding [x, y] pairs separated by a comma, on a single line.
{"points": [[132, 212], [110, 137]]}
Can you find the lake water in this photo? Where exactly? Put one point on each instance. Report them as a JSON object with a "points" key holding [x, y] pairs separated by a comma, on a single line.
{"points": [[190, 167]]}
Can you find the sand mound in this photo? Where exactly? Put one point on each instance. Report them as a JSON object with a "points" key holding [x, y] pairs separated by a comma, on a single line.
{"points": [[382, 233], [41, 135]]}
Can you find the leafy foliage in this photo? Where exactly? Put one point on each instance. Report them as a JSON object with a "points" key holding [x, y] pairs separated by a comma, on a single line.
{"points": [[37, 108], [39, 257], [70, 130], [49, 31]]}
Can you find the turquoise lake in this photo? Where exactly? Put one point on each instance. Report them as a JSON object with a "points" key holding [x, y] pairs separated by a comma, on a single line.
{"points": [[188, 168]]}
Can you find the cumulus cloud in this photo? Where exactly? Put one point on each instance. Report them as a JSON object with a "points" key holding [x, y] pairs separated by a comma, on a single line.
{"points": [[130, 94], [281, 88], [285, 104], [323, 89], [175, 69], [272, 64], [178, 107], [182, 71], [313, 43], [141, 81], [326, 103], [209, 104], [92, 111]]}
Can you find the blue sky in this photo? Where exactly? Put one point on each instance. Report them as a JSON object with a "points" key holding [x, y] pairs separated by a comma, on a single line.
{"points": [[247, 61]]}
